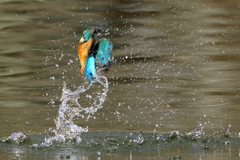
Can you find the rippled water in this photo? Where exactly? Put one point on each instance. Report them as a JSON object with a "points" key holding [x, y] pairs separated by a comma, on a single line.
{"points": [[127, 145], [176, 66]]}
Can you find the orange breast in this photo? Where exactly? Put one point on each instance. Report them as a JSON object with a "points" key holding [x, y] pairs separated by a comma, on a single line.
{"points": [[83, 49]]}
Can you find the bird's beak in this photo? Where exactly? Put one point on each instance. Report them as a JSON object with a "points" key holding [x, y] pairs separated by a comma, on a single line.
{"points": [[81, 40]]}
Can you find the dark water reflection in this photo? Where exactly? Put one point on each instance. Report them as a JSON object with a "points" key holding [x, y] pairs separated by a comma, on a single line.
{"points": [[176, 63]]}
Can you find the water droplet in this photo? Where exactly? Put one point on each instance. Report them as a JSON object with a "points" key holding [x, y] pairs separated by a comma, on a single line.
{"points": [[53, 78], [99, 153]]}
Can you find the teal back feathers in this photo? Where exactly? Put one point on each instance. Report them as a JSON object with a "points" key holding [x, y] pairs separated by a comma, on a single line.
{"points": [[90, 68], [104, 49]]}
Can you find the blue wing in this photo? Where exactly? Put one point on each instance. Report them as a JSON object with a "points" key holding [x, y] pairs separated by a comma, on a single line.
{"points": [[104, 49], [90, 69]]}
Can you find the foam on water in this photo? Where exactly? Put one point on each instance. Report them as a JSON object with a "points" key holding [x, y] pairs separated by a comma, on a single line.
{"points": [[70, 108], [17, 137]]}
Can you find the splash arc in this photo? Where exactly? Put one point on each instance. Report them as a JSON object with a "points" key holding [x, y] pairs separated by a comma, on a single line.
{"points": [[70, 108]]}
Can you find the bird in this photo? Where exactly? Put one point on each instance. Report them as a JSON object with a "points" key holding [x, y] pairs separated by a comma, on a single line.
{"points": [[90, 53]]}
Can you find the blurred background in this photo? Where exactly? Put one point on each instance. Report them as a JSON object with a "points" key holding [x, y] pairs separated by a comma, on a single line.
{"points": [[176, 64]]}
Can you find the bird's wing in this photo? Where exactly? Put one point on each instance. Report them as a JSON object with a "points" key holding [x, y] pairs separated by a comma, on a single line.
{"points": [[104, 51]]}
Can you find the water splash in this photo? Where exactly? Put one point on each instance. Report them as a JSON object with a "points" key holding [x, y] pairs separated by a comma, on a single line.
{"points": [[70, 108], [17, 137], [196, 134], [228, 133]]}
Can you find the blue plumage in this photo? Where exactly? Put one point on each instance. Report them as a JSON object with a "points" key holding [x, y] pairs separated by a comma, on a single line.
{"points": [[104, 49], [87, 34], [90, 68]]}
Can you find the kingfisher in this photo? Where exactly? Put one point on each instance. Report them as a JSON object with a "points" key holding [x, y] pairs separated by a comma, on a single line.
{"points": [[90, 52]]}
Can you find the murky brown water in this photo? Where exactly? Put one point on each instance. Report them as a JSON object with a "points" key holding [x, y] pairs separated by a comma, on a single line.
{"points": [[176, 63]]}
